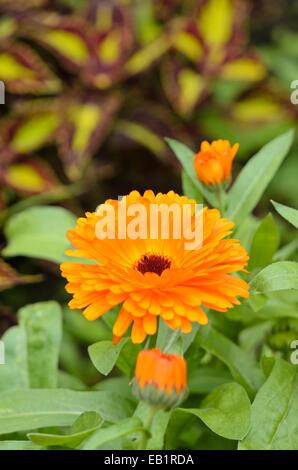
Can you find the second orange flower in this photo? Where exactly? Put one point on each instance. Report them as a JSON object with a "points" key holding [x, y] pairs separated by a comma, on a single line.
{"points": [[213, 163]]}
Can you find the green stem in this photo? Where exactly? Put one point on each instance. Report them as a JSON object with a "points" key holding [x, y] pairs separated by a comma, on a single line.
{"points": [[220, 192], [152, 410], [172, 340]]}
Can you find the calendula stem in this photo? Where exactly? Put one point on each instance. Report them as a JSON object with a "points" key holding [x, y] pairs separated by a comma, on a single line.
{"points": [[152, 410], [172, 340], [220, 192]]}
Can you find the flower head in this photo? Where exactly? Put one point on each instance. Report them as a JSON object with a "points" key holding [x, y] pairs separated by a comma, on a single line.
{"points": [[213, 163], [160, 378], [154, 277]]}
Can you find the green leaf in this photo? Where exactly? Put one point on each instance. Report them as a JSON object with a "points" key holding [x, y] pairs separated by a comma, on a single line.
{"points": [[280, 304], [245, 232], [23, 71], [169, 340], [19, 445], [103, 436], [104, 355], [281, 275], [127, 359], [274, 424], [243, 368], [14, 373], [264, 244], [186, 158], [288, 213], [204, 379], [190, 189], [84, 330], [22, 410], [66, 380], [39, 232], [34, 132], [255, 177], [118, 385], [42, 323], [215, 22], [226, 411], [85, 425], [287, 251], [173, 341], [67, 43], [252, 338]]}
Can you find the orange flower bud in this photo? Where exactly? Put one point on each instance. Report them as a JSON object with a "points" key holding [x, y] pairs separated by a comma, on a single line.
{"points": [[213, 163], [160, 378]]}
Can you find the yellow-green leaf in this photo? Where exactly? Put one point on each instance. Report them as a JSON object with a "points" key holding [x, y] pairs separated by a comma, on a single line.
{"points": [[146, 56], [69, 44], [215, 22], [257, 108], [188, 45], [24, 177], [244, 69], [86, 118], [109, 49], [34, 132], [11, 69], [191, 86]]}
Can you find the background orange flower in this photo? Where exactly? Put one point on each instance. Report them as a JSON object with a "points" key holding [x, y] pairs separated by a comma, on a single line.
{"points": [[213, 163]]}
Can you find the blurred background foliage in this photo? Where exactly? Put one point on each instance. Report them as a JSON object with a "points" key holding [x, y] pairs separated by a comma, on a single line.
{"points": [[92, 89]]}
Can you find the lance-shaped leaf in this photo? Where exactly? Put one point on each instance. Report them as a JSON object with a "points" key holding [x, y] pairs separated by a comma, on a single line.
{"points": [[32, 176], [288, 213], [245, 68], [258, 108], [27, 131], [215, 22], [67, 37], [264, 244], [184, 86], [86, 121], [186, 40], [9, 277], [256, 175], [23, 71], [148, 55]]}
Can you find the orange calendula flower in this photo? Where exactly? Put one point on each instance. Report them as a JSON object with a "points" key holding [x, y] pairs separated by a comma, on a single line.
{"points": [[152, 277], [160, 378], [213, 163]]}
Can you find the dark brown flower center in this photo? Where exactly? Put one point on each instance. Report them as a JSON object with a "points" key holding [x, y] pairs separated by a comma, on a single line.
{"points": [[151, 263]]}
